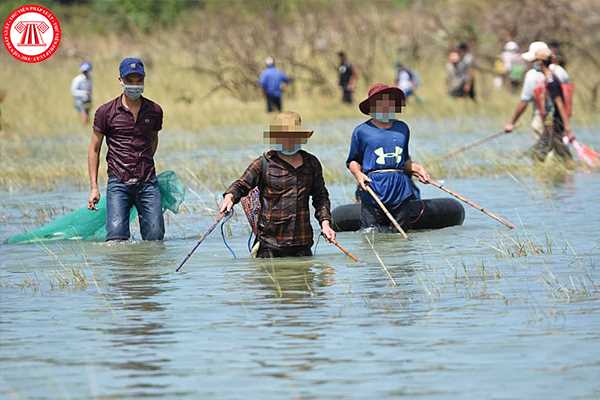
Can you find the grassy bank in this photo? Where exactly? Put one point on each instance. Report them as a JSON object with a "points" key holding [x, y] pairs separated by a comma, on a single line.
{"points": [[202, 67], [38, 101], [43, 143]]}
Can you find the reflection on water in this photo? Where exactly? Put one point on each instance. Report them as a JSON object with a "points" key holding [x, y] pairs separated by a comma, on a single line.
{"points": [[447, 315], [293, 280], [139, 337]]}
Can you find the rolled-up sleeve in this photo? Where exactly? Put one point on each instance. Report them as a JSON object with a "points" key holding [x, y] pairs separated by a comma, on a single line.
{"points": [[248, 181], [320, 195]]}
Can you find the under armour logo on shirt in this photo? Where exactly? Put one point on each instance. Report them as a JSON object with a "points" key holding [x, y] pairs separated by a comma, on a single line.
{"points": [[381, 155]]}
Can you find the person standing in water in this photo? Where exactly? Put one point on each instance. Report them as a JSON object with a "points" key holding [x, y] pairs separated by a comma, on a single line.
{"points": [[543, 86], [287, 177], [130, 123]]}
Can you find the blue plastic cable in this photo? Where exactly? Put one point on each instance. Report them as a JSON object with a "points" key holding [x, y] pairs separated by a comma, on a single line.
{"points": [[225, 220], [250, 241]]}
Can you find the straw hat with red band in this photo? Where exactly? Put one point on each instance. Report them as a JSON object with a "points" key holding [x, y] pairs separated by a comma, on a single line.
{"points": [[379, 89], [288, 125]]}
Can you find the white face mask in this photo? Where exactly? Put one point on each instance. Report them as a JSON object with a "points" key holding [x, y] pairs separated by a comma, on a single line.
{"points": [[384, 117], [133, 91]]}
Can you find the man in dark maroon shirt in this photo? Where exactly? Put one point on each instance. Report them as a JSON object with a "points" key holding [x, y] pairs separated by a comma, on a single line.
{"points": [[130, 124]]}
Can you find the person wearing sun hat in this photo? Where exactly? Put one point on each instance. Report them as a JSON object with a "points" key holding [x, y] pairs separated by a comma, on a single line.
{"points": [[543, 86], [379, 157], [287, 177]]}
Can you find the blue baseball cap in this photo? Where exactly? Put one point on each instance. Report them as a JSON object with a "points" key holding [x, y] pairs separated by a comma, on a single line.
{"points": [[130, 66]]}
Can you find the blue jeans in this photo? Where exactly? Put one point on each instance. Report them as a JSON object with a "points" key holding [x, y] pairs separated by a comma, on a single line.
{"points": [[145, 196]]}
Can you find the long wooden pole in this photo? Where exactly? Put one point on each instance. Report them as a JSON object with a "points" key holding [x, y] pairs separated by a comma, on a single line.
{"points": [[387, 213], [341, 248], [470, 145], [503, 221], [204, 236]]}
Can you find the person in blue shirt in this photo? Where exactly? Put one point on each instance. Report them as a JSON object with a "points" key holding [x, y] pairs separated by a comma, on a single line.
{"points": [[271, 80], [379, 157]]}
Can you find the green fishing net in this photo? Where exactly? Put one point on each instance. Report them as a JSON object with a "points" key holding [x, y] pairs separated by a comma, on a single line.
{"points": [[84, 224]]}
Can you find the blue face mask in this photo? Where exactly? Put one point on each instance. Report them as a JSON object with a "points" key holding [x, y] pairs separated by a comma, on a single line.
{"points": [[537, 66], [279, 148], [384, 117], [133, 91]]}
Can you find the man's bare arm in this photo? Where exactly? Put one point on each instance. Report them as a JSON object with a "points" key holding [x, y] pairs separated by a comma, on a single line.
{"points": [[93, 164]]}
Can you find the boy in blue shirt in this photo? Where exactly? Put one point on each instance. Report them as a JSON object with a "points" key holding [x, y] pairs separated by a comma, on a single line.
{"points": [[379, 158]]}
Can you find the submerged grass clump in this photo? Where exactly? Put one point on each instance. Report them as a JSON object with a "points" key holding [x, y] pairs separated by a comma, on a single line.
{"points": [[29, 282], [67, 278], [513, 247], [478, 281], [572, 288]]}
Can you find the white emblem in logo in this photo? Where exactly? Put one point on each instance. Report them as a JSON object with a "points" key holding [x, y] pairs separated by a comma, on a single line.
{"points": [[134, 66], [381, 155], [31, 33]]}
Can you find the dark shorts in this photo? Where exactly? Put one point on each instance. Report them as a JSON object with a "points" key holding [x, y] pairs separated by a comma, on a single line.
{"points": [[371, 216], [145, 196], [264, 251]]}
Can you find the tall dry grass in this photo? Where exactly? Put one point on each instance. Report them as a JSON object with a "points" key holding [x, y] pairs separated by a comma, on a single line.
{"points": [[42, 142]]}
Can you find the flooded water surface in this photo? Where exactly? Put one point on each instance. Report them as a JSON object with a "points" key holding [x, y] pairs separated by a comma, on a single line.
{"points": [[473, 311]]}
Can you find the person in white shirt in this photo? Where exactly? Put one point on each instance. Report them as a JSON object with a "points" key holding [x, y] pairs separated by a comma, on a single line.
{"points": [[513, 67], [81, 90], [406, 80], [533, 77]]}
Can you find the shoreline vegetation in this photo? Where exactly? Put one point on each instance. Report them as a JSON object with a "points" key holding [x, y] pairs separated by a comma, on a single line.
{"points": [[203, 60]]}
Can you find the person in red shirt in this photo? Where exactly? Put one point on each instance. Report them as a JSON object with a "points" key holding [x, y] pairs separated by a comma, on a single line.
{"points": [[130, 124]]}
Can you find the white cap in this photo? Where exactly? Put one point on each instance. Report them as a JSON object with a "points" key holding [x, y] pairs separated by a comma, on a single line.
{"points": [[85, 66], [511, 46], [537, 50], [269, 61]]}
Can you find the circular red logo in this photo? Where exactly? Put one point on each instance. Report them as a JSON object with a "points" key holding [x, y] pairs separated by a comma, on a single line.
{"points": [[31, 33]]}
